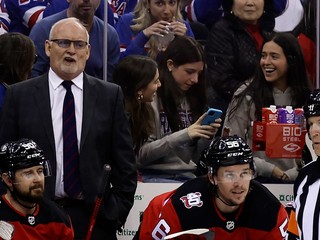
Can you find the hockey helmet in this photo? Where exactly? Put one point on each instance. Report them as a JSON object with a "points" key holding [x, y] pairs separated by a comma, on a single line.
{"points": [[312, 106], [227, 151], [24, 153]]}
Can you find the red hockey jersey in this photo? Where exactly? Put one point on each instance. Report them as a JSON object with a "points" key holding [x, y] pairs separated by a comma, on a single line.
{"points": [[191, 206]]}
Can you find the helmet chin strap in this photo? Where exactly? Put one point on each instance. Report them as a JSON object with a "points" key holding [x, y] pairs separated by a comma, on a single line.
{"points": [[229, 203]]}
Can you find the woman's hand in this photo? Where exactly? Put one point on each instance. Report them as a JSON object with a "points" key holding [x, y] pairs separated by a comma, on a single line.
{"points": [[159, 28], [204, 131], [178, 28], [279, 174]]}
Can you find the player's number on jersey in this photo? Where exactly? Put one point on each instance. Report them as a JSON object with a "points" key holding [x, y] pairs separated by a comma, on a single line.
{"points": [[161, 230], [283, 228]]}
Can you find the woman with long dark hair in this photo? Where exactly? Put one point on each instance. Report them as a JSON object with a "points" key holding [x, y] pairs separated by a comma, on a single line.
{"points": [[281, 80], [170, 155]]}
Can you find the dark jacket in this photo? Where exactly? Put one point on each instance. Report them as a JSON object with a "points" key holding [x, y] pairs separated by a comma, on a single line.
{"points": [[105, 138], [231, 56]]}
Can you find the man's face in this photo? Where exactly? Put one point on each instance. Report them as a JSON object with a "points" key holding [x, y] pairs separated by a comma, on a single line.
{"points": [[314, 132], [83, 9], [68, 62], [233, 183], [28, 184]]}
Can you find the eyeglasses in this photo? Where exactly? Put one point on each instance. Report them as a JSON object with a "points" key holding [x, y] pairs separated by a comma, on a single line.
{"points": [[65, 43]]}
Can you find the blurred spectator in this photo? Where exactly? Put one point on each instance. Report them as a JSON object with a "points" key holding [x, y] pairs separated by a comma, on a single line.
{"points": [[121, 7], [179, 137], [4, 18], [138, 77], [95, 26], [209, 12], [150, 27], [233, 46], [25, 14], [17, 53], [300, 19], [282, 81]]}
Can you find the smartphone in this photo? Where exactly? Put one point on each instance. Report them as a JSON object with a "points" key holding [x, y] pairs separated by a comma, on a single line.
{"points": [[211, 116]]}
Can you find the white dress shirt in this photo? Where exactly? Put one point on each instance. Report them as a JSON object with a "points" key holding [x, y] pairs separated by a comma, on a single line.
{"points": [[57, 93]]}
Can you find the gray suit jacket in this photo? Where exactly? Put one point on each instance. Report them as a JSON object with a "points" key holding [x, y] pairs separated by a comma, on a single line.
{"points": [[105, 138]]}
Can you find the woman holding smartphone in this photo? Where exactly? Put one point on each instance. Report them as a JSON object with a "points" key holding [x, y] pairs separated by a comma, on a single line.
{"points": [[171, 152]]}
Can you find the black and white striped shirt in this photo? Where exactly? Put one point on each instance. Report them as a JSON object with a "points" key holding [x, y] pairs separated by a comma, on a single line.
{"points": [[307, 201]]}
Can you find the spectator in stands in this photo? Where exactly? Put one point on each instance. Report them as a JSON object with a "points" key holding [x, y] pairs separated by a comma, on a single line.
{"points": [[121, 7], [152, 22], [209, 12], [299, 18], [138, 77], [95, 26], [24, 15], [280, 80], [233, 46], [178, 109], [17, 53], [25, 213], [4, 18], [225, 201]]}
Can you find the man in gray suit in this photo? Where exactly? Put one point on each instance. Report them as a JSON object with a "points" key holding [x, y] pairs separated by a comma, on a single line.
{"points": [[34, 109]]}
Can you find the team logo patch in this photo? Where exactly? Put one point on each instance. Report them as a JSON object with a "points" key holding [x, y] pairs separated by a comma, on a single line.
{"points": [[31, 220], [230, 225], [192, 200]]}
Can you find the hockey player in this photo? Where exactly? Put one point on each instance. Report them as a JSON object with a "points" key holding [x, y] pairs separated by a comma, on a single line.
{"points": [[25, 214], [226, 201]]}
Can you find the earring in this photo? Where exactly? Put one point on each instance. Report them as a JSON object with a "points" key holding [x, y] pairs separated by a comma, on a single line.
{"points": [[140, 96], [148, 10], [169, 69]]}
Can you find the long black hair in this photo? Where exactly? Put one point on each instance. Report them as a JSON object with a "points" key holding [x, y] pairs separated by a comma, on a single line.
{"points": [[132, 74], [182, 50], [17, 53], [261, 91]]}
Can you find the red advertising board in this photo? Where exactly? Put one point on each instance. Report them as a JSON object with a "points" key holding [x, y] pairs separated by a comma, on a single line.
{"points": [[278, 140]]}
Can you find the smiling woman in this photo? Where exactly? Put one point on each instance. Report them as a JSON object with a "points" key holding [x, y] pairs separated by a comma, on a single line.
{"points": [[138, 77], [281, 80], [233, 46]]}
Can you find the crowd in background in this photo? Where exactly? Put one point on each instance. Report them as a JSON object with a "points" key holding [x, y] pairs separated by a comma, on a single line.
{"points": [[172, 59]]}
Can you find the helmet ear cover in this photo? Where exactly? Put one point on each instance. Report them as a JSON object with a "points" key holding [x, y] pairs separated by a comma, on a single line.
{"points": [[226, 151]]}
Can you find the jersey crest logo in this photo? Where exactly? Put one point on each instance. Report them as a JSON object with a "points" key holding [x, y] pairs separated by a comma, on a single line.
{"points": [[230, 225], [192, 200], [31, 220]]}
